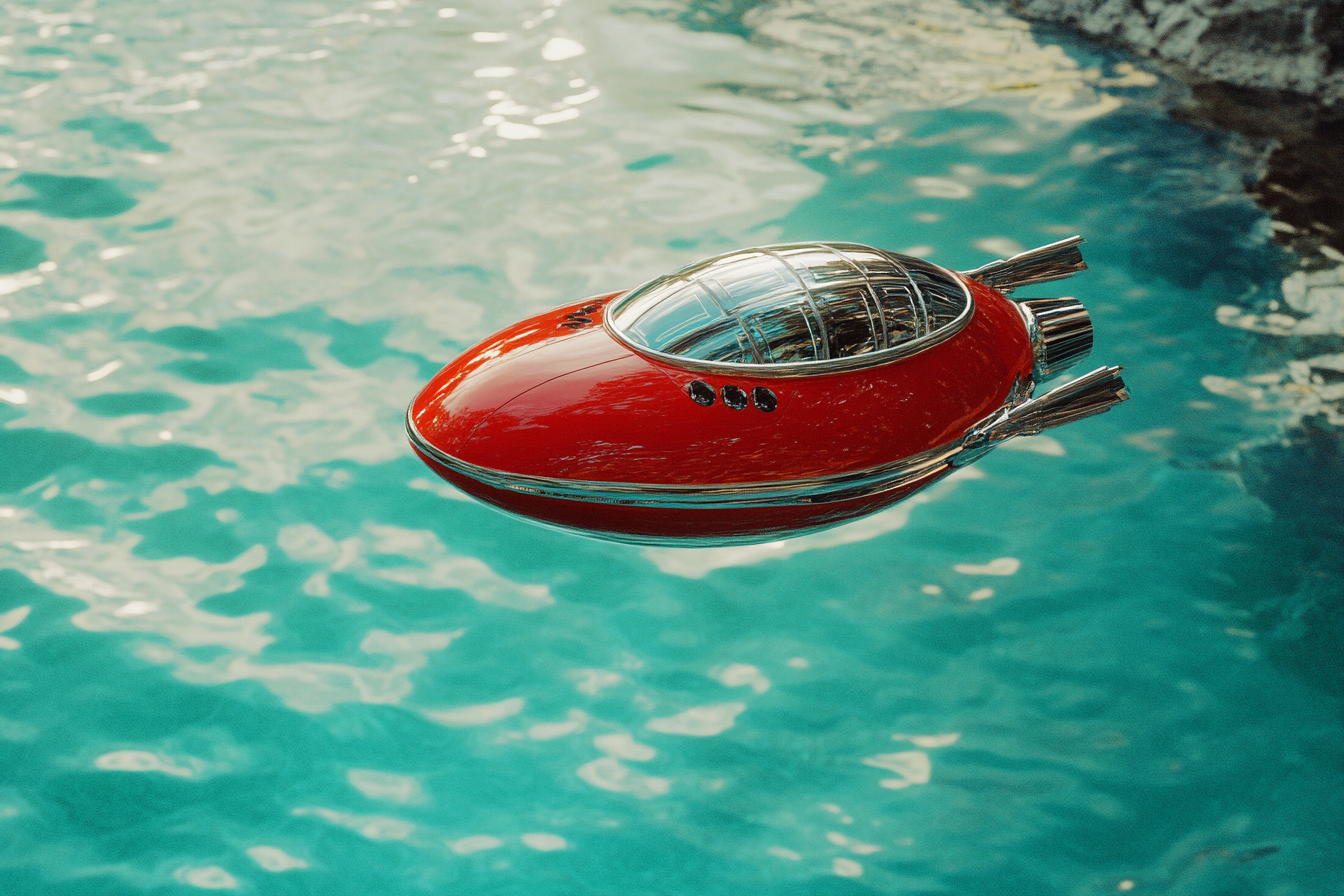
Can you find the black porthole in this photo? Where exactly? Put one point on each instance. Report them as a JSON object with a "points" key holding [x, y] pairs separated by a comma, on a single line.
{"points": [[587, 309], [764, 398], [734, 397], [701, 392]]}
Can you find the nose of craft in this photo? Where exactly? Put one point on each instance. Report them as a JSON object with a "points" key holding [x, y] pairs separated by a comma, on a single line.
{"points": [[484, 379]]}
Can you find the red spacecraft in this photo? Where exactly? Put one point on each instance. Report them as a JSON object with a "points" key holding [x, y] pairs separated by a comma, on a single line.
{"points": [[760, 394]]}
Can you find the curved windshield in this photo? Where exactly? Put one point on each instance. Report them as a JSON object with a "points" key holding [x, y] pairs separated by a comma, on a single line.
{"points": [[801, 302]]}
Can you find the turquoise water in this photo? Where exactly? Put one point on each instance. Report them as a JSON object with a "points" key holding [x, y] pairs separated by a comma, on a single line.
{"points": [[250, 644]]}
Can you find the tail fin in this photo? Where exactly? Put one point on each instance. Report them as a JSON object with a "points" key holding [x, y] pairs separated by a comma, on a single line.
{"points": [[1090, 394], [1053, 262]]}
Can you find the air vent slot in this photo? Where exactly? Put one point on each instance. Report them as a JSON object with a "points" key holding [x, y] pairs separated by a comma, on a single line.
{"points": [[701, 393], [734, 397]]}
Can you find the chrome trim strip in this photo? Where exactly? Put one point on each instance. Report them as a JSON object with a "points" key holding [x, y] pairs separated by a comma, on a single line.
{"points": [[1091, 394], [1034, 334], [803, 368], [821, 489], [678, 541]]}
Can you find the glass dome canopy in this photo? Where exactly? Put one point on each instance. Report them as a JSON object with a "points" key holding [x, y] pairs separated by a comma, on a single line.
{"points": [[793, 309]]}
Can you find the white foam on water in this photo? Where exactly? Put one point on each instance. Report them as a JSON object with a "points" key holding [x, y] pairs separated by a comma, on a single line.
{"points": [[273, 858], [8, 621], [846, 868], [1000, 246], [940, 188], [930, 741], [145, 761], [476, 714], [608, 773], [542, 842], [475, 843], [1003, 566], [912, 767], [305, 541], [313, 686], [386, 786], [575, 722], [558, 49], [699, 721], [1034, 444], [738, 674], [373, 827], [858, 847], [942, 53], [622, 746], [593, 681], [211, 877], [433, 566], [440, 488], [428, 563]]}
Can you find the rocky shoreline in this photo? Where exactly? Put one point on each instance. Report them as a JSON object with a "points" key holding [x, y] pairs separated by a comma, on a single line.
{"points": [[1271, 70], [1292, 46], [1266, 68]]}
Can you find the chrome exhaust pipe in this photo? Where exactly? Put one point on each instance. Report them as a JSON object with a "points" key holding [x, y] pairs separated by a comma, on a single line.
{"points": [[1091, 394], [1060, 331], [1052, 262]]}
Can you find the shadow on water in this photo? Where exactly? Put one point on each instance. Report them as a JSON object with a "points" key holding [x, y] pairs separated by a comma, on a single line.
{"points": [[238, 349], [12, 372], [19, 252], [233, 353], [32, 454], [123, 404], [118, 133], [60, 196], [1302, 480]]}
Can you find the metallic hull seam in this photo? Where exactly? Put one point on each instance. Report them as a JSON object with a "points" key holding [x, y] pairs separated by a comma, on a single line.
{"points": [[818, 490], [679, 541]]}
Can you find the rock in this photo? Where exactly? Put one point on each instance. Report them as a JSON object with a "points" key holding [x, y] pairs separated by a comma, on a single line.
{"points": [[1289, 45], [1266, 68]]}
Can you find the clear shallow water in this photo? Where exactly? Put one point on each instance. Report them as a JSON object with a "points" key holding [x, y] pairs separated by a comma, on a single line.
{"points": [[251, 645]]}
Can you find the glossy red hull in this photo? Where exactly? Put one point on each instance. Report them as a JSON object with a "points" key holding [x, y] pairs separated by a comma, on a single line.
{"points": [[556, 420]]}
